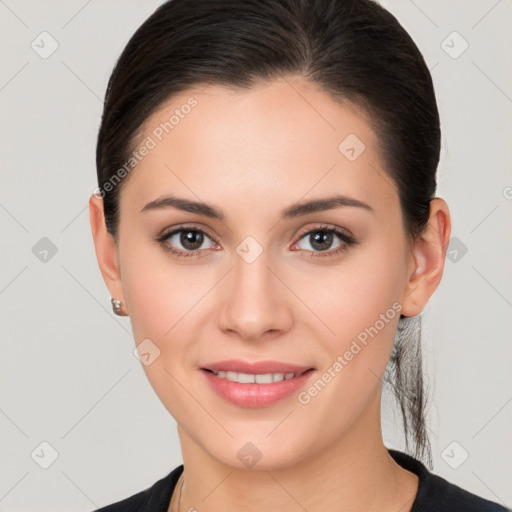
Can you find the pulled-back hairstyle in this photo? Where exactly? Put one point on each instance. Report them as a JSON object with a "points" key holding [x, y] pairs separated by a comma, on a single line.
{"points": [[354, 50]]}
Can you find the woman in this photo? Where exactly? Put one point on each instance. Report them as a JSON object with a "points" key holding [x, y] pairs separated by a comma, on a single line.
{"points": [[267, 218]]}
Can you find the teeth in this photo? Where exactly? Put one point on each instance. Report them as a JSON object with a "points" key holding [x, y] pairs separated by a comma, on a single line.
{"points": [[260, 378]]}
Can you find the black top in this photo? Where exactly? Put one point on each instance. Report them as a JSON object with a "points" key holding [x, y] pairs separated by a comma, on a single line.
{"points": [[435, 494]]}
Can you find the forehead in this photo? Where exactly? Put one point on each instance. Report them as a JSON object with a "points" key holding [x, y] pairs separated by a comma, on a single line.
{"points": [[277, 136]]}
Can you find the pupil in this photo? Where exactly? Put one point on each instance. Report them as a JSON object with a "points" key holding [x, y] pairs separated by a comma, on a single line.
{"points": [[322, 235]]}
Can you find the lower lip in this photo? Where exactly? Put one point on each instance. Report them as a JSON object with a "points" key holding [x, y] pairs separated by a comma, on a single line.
{"points": [[255, 395]]}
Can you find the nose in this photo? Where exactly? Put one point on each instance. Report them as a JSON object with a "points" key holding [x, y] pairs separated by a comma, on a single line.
{"points": [[254, 302]]}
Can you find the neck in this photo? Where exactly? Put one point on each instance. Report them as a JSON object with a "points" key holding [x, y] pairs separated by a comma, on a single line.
{"points": [[356, 471]]}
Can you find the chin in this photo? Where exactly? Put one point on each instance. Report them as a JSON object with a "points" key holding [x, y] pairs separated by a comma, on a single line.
{"points": [[256, 456]]}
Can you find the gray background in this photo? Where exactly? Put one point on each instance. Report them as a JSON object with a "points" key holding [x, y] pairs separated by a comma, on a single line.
{"points": [[68, 374]]}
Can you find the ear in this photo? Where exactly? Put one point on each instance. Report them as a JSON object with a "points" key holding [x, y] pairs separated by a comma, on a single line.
{"points": [[428, 253], [106, 248]]}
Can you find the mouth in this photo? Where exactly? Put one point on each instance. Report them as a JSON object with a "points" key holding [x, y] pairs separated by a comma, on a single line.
{"points": [[259, 384]]}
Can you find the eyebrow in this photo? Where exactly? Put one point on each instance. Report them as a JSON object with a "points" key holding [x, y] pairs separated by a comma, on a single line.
{"points": [[296, 210]]}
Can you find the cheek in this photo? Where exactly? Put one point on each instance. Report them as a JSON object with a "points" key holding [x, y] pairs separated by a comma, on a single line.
{"points": [[164, 302], [360, 303], [160, 293], [361, 306], [355, 294]]}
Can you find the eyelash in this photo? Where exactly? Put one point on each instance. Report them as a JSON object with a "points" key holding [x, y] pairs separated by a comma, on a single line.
{"points": [[345, 238]]}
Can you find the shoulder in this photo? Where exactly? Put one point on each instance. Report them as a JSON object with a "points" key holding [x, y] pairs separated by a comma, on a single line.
{"points": [[437, 494], [444, 495], [153, 499]]}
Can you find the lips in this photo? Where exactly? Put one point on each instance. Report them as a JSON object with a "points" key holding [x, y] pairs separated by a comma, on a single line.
{"points": [[255, 384], [258, 367], [256, 394]]}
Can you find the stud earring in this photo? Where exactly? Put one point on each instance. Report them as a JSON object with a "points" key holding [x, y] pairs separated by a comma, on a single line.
{"points": [[117, 307]]}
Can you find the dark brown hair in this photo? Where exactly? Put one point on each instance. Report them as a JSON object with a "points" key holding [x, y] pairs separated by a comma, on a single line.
{"points": [[354, 50]]}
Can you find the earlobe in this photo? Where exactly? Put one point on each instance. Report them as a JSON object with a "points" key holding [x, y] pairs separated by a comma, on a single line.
{"points": [[105, 247], [428, 258]]}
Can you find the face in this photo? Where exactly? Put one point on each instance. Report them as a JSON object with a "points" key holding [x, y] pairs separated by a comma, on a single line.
{"points": [[263, 280]]}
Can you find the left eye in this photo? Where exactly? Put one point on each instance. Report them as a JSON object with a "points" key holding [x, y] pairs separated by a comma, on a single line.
{"points": [[321, 240]]}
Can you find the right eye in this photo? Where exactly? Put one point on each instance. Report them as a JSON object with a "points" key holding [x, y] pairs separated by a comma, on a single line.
{"points": [[192, 240]]}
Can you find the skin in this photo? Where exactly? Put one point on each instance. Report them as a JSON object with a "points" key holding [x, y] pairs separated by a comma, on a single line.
{"points": [[251, 154]]}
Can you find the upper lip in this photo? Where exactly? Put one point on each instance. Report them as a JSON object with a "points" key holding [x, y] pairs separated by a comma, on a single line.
{"points": [[256, 367]]}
